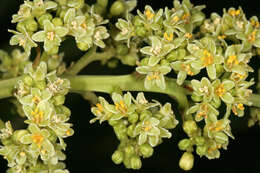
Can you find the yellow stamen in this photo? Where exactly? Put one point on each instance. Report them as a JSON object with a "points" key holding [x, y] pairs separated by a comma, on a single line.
{"points": [[188, 35], [22, 154], [220, 90], [207, 59], [175, 19], [22, 42], [187, 68], [254, 23], [37, 115], [36, 99], [168, 37], [149, 14], [232, 59], [37, 139], [251, 37], [147, 126], [50, 35], [84, 25], [68, 132], [185, 16], [100, 107], [238, 76], [153, 76], [241, 106], [234, 12], [121, 107], [220, 37], [44, 151]]}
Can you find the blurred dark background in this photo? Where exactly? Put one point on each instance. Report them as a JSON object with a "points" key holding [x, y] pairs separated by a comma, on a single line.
{"points": [[92, 145]]}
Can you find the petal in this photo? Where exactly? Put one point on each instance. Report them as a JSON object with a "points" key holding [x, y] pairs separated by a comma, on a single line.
{"points": [[165, 133], [211, 70], [142, 138], [153, 60], [61, 31], [153, 140], [160, 82], [128, 98], [26, 139], [164, 69], [227, 98], [228, 84], [166, 49], [33, 128], [177, 65], [154, 131], [69, 16], [146, 50], [181, 77], [48, 26], [49, 5], [116, 97], [143, 69], [39, 36], [196, 85], [154, 121]]}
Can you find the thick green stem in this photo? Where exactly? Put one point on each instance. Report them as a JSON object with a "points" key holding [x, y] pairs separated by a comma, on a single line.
{"points": [[89, 57]]}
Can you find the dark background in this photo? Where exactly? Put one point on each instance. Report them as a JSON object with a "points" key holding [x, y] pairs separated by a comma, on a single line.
{"points": [[91, 147]]}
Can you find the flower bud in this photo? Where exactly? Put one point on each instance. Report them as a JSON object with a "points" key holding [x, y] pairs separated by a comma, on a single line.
{"points": [[117, 157], [196, 98], [54, 50], [164, 62], [172, 56], [99, 9], [20, 26], [146, 150], [258, 51], [57, 21], [198, 18], [129, 150], [138, 21], [201, 150], [190, 127], [133, 118], [41, 85], [18, 134], [221, 137], [117, 8], [83, 46], [186, 161], [216, 103], [184, 144], [28, 80], [103, 3], [219, 70], [58, 100], [130, 130], [199, 140], [31, 25], [46, 16], [140, 31], [135, 162], [145, 114], [121, 49]]}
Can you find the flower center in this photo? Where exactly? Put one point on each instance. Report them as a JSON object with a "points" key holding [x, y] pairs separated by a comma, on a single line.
{"points": [[234, 12], [187, 68], [156, 50], [50, 35], [37, 139], [37, 116], [222, 37], [220, 90], [147, 126], [207, 58], [168, 37], [121, 107], [232, 59], [188, 35], [74, 24], [149, 14], [175, 19], [155, 75], [36, 99], [22, 42], [251, 37]]}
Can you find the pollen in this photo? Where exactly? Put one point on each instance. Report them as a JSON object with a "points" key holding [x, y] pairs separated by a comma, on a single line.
{"points": [[68, 132], [149, 14], [37, 115], [22, 154], [37, 139], [84, 25], [185, 16], [232, 59], [50, 35], [188, 35], [121, 107], [168, 37], [220, 37], [234, 12], [251, 37], [220, 90], [100, 107], [36, 99], [175, 19], [147, 126], [240, 106], [207, 58], [153, 76], [238, 76], [22, 42], [187, 68]]}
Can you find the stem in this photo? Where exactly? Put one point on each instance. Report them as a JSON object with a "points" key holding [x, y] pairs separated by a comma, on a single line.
{"points": [[89, 57], [7, 87], [255, 99], [109, 84]]}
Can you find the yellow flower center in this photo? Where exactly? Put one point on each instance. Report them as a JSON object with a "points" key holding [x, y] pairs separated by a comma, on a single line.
{"points": [[238, 76], [155, 75], [220, 90], [207, 58], [149, 14], [84, 25], [68, 133], [168, 37], [232, 59], [36, 99], [37, 139], [147, 126], [251, 37], [37, 115], [175, 19], [187, 68], [234, 12], [185, 16], [50, 35], [22, 154], [121, 107], [100, 107], [240, 106], [74, 24], [188, 35], [220, 37], [254, 23], [22, 42]]}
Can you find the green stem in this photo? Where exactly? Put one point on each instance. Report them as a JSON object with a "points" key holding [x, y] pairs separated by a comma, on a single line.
{"points": [[109, 84], [89, 57], [7, 87]]}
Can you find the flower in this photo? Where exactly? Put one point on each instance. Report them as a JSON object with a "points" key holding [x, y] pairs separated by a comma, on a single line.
{"points": [[51, 35], [127, 30], [39, 142], [154, 75], [222, 90], [39, 74], [22, 39], [157, 51], [206, 56], [203, 88], [100, 34]]}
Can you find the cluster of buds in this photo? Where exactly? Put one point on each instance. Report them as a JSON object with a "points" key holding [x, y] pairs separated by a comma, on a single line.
{"points": [[138, 124]]}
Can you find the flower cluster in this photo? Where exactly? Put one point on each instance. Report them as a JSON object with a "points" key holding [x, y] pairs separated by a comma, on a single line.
{"points": [[39, 147], [138, 124], [37, 23]]}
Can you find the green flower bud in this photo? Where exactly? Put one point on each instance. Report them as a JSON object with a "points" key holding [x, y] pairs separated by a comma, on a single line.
{"points": [[99, 9], [201, 150], [184, 144], [57, 21], [146, 150], [130, 130], [221, 137], [103, 3], [121, 135], [27, 80], [117, 157], [46, 16], [20, 26], [140, 31], [190, 127], [135, 162], [196, 98], [121, 49], [216, 103], [41, 85], [112, 63], [137, 21], [58, 100], [117, 8], [127, 163], [83, 46], [112, 122], [18, 134], [31, 25], [144, 61], [181, 53], [219, 70], [129, 150], [129, 60], [199, 140], [54, 50], [186, 161], [164, 62], [198, 18], [53, 63], [172, 56], [145, 114], [133, 118]]}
